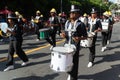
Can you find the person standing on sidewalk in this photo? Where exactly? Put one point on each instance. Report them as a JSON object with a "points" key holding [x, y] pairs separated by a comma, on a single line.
{"points": [[15, 45], [78, 34]]}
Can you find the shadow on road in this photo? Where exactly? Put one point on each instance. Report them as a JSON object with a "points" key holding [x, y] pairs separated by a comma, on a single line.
{"points": [[47, 77], [115, 41], [109, 74], [109, 57], [115, 47]]}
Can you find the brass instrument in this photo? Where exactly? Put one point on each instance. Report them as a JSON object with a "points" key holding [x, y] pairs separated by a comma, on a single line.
{"points": [[36, 20], [3, 34], [8, 34]]}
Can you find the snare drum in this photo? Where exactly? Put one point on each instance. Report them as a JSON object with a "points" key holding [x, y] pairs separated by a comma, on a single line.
{"points": [[61, 59], [86, 43], [105, 26], [44, 33], [70, 46]]}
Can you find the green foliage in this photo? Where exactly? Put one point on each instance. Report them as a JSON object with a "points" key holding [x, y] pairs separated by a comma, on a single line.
{"points": [[29, 7], [75, 2], [113, 6]]}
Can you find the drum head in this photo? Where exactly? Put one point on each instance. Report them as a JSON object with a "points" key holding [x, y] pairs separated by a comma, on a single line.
{"points": [[45, 29], [63, 49]]}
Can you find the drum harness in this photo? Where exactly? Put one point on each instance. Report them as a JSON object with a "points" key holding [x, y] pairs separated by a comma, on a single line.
{"points": [[71, 28], [92, 23], [90, 33]]}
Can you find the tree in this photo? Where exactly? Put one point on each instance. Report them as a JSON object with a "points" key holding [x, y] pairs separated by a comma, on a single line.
{"points": [[29, 7], [113, 7]]}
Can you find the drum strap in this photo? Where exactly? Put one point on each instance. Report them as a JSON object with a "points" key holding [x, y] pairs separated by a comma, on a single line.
{"points": [[68, 25], [71, 28], [106, 20], [91, 24]]}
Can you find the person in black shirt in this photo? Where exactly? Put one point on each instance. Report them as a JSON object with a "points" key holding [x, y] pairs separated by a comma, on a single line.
{"points": [[79, 33], [94, 27], [15, 35], [53, 24], [39, 21], [105, 32]]}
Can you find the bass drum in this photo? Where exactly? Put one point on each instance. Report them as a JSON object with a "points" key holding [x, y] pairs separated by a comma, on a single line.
{"points": [[61, 59]]}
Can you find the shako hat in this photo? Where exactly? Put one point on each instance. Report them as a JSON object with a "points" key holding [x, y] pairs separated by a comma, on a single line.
{"points": [[11, 16], [93, 10], [84, 14], [106, 14], [110, 13], [17, 13], [74, 8], [38, 11], [53, 10]]}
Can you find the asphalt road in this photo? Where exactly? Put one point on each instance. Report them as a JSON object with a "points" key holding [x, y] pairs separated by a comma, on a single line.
{"points": [[106, 67]]}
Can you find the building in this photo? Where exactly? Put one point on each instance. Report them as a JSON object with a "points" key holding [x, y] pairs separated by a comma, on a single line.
{"points": [[117, 2]]}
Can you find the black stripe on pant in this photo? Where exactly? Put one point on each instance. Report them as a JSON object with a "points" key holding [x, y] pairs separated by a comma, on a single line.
{"points": [[104, 38], [74, 71], [92, 50]]}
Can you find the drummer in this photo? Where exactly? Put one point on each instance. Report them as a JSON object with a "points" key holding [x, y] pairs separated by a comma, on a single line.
{"points": [[95, 26], [105, 33], [53, 24], [111, 27], [79, 33]]}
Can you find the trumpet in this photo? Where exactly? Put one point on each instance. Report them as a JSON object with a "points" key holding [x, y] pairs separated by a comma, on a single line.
{"points": [[8, 34], [36, 20]]}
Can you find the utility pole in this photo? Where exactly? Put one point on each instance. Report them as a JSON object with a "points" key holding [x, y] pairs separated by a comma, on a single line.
{"points": [[61, 7]]}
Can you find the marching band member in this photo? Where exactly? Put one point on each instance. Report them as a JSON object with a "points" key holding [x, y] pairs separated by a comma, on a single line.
{"points": [[19, 17], [39, 21], [15, 44], [53, 24], [84, 19], [95, 26], [105, 32], [78, 34], [111, 27]]}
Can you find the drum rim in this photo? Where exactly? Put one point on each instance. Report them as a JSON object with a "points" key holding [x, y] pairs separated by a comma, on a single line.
{"points": [[71, 51], [63, 52], [44, 29]]}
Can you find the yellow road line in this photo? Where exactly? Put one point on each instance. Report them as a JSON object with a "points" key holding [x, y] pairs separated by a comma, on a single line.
{"points": [[33, 50]]}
